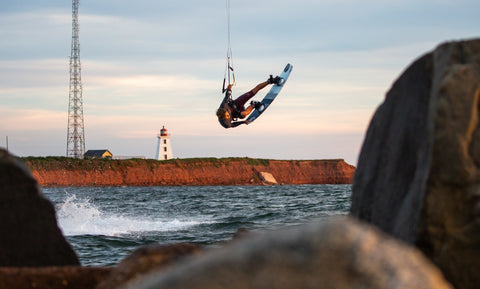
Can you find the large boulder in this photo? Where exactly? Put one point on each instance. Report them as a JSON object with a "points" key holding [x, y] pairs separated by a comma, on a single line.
{"points": [[338, 253], [29, 234], [418, 175], [144, 260]]}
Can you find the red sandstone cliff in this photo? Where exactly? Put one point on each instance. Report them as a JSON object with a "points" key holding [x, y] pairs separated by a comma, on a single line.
{"points": [[230, 171]]}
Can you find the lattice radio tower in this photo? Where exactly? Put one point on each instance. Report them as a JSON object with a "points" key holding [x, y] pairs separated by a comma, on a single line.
{"points": [[75, 131]]}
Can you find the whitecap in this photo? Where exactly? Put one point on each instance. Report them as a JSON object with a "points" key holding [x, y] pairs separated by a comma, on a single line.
{"points": [[78, 216]]}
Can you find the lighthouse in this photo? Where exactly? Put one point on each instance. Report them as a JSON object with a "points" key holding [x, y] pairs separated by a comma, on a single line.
{"points": [[164, 149]]}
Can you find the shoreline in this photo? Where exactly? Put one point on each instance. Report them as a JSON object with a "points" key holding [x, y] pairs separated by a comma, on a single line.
{"points": [[68, 172]]}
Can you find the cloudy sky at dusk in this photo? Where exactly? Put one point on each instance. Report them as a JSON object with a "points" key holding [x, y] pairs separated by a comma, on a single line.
{"points": [[149, 63]]}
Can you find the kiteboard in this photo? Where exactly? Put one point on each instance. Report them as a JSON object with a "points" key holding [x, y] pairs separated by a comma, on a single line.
{"points": [[270, 96]]}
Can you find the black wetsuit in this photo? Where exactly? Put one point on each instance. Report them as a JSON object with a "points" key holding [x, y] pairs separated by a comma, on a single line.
{"points": [[232, 108]]}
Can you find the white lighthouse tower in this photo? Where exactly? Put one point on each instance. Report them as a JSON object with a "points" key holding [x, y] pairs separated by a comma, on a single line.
{"points": [[164, 149]]}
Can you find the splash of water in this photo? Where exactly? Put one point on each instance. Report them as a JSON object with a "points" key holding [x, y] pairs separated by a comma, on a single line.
{"points": [[82, 217]]}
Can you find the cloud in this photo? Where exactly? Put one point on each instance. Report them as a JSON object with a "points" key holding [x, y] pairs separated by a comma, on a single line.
{"points": [[153, 63], [15, 120]]}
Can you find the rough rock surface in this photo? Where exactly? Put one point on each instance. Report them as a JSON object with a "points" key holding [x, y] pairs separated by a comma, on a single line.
{"points": [[144, 260], [418, 175], [339, 253], [189, 172], [29, 234], [66, 277], [268, 178]]}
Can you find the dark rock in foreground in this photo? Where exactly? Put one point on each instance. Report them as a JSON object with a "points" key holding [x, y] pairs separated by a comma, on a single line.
{"points": [[65, 277], [418, 175], [339, 253], [29, 234], [145, 260]]}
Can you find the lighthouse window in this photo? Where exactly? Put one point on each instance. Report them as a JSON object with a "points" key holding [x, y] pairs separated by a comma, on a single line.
{"points": [[165, 141], [165, 156], [165, 149]]}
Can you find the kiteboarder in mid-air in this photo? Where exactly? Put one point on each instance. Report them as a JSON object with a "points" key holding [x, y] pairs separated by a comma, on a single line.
{"points": [[230, 110]]}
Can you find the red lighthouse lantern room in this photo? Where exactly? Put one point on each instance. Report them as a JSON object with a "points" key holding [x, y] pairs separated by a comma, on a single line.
{"points": [[163, 131]]}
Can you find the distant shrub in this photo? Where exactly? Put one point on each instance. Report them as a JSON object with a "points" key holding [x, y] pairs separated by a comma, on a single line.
{"points": [[258, 162]]}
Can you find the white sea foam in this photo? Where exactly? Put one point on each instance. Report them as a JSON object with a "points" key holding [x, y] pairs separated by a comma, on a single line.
{"points": [[82, 217]]}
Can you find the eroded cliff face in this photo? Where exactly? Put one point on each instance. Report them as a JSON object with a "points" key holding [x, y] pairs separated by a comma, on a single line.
{"points": [[240, 171]]}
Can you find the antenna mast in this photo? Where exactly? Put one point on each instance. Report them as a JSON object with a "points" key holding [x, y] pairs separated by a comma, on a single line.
{"points": [[75, 129]]}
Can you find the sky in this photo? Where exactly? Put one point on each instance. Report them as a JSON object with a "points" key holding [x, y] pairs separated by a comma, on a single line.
{"points": [[153, 63]]}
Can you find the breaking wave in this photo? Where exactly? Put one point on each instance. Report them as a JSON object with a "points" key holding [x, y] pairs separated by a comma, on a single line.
{"points": [[82, 217]]}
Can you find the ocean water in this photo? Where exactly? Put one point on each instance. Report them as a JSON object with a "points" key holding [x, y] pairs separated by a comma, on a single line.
{"points": [[105, 224]]}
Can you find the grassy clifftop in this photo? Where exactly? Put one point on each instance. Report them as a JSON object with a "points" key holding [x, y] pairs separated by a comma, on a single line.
{"points": [[54, 163]]}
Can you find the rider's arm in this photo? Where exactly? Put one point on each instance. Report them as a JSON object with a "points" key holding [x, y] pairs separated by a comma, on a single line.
{"points": [[237, 123]]}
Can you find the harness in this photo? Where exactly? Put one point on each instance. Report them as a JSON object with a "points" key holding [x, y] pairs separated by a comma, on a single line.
{"points": [[230, 105]]}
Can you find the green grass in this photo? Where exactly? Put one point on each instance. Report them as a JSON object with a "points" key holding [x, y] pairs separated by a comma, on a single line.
{"points": [[53, 162]]}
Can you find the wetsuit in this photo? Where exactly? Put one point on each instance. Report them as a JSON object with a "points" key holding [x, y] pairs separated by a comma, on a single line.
{"points": [[234, 108]]}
